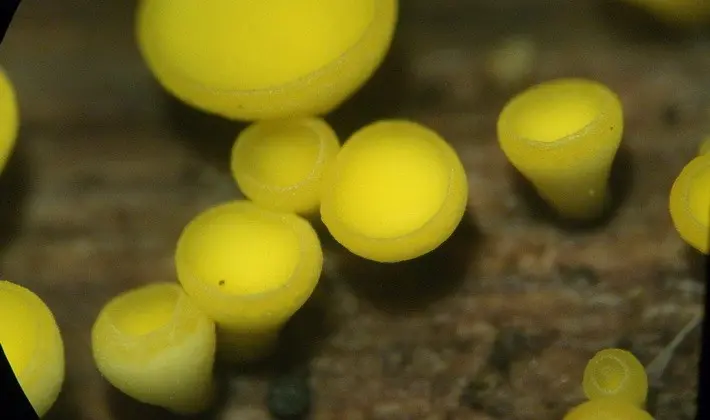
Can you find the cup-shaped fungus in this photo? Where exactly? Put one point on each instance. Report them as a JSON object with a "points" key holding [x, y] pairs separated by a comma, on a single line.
{"points": [[250, 269], [279, 164], [155, 345], [690, 203], [563, 135], [607, 409], [33, 345], [615, 373], [9, 119], [396, 191], [254, 60]]}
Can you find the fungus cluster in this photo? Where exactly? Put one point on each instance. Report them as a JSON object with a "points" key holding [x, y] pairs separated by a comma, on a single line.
{"points": [[394, 191]]}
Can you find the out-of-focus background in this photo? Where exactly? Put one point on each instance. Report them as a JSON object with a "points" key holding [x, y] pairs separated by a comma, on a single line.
{"points": [[497, 324]]}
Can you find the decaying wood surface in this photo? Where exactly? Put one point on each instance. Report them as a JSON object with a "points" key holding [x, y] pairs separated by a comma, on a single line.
{"points": [[498, 324]]}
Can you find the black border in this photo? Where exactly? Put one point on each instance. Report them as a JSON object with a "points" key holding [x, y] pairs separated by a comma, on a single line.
{"points": [[14, 404], [7, 12]]}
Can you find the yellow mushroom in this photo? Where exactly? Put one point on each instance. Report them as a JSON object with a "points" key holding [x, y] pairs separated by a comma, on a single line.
{"points": [[9, 119], [563, 135], [677, 12], [250, 269], [690, 203], [607, 409], [156, 346], [33, 345], [279, 164], [616, 373], [254, 60], [395, 191]]}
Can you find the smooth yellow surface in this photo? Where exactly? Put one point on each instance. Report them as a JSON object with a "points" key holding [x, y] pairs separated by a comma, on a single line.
{"points": [[699, 197], [616, 373], [396, 191], [18, 329], [241, 253], [558, 118], [690, 203], [9, 118], [156, 346], [279, 164], [143, 313], [266, 59], [683, 12], [33, 344], [249, 268], [607, 409], [563, 135]]}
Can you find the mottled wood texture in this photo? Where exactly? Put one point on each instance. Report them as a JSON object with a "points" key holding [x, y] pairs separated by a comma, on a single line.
{"points": [[498, 324]]}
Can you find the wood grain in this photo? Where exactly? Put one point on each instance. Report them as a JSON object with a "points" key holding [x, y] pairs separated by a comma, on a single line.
{"points": [[497, 324]]}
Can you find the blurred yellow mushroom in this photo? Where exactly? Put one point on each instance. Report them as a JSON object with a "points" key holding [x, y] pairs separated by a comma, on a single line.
{"points": [[607, 409], [616, 373], [563, 135], [9, 118], [689, 203], [153, 344], [279, 164], [33, 345], [250, 269], [512, 61], [678, 12]]}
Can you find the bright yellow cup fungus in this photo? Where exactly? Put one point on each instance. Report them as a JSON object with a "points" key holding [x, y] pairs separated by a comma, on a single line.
{"points": [[253, 60], [607, 409], [616, 373], [563, 135], [396, 191], [682, 12], [33, 345], [279, 164], [250, 269], [9, 119], [690, 203], [156, 346]]}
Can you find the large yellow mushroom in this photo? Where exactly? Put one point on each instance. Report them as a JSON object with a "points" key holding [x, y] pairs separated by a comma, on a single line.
{"points": [[266, 59]]}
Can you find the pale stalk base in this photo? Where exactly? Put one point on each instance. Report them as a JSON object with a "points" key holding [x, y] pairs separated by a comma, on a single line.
{"points": [[578, 205]]}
